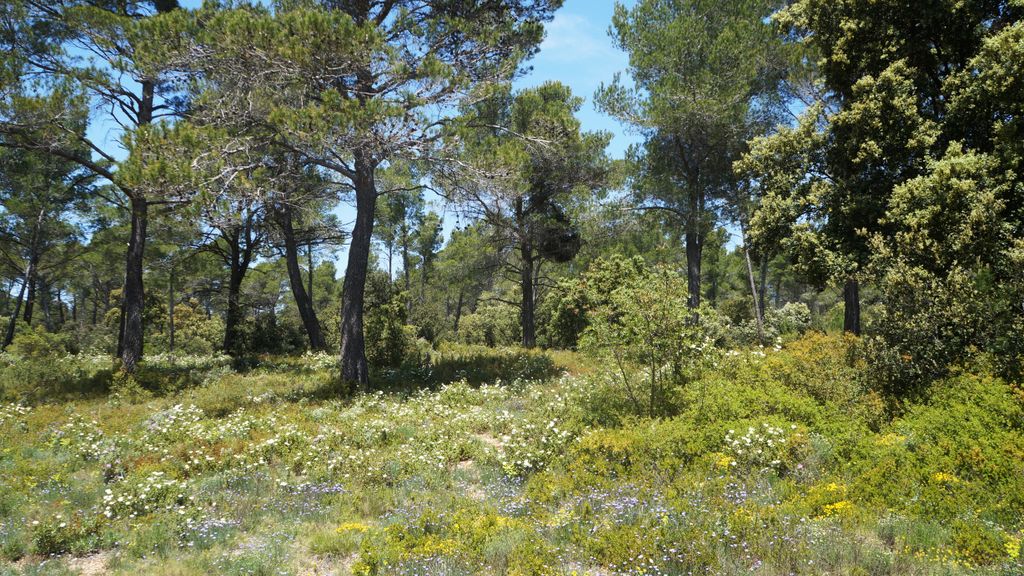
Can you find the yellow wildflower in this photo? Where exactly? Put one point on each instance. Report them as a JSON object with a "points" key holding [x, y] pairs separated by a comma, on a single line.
{"points": [[352, 527]]}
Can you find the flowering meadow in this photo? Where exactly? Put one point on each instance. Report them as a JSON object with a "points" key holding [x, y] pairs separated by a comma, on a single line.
{"points": [[774, 461]]}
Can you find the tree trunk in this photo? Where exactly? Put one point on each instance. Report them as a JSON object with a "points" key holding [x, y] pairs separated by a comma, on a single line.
{"points": [[242, 241], [170, 311], [762, 288], [130, 335], [33, 277], [405, 267], [851, 304], [353, 345], [309, 263], [233, 319], [45, 304], [12, 323], [527, 313], [303, 299], [61, 317], [95, 303], [694, 247], [130, 342], [758, 315], [458, 313], [693, 253]]}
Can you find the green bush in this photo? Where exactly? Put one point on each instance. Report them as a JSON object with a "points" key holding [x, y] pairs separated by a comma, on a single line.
{"points": [[649, 337], [390, 343], [574, 299], [477, 364], [52, 378], [491, 325], [167, 373], [957, 456], [38, 343], [792, 318], [195, 334]]}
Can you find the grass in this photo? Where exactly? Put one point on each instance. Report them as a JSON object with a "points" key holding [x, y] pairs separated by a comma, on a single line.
{"points": [[767, 465]]}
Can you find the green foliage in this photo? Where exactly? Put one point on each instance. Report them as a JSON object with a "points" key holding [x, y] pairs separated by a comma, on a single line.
{"points": [[389, 342], [195, 333], [904, 174], [258, 471], [45, 373], [959, 453], [591, 290], [491, 324], [477, 364], [646, 326], [950, 274], [37, 344], [794, 318]]}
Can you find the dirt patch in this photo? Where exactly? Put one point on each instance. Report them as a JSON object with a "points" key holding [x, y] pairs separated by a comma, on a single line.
{"points": [[490, 441], [91, 565], [327, 566]]}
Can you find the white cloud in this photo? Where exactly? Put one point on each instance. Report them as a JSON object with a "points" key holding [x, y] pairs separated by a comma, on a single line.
{"points": [[573, 38]]}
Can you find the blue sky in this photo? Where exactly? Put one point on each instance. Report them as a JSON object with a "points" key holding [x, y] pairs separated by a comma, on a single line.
{"points": [[577, 51]]}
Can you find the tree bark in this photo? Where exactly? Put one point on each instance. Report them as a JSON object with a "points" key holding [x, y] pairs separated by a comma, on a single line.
{"points": [[33, 278], [309, 263], [527, 314], [170, 311], [61, 317], [762, 288], [12, 323], [45, 304], [303, 299], [353, 345], [851, 305], [130, 335], [694, 247], [233, 318], [405, 266], [130, 342], [758, 314], [458, 313]]}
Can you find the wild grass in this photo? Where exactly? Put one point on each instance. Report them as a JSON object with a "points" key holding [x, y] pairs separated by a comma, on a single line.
{"points": [[776, 462]]}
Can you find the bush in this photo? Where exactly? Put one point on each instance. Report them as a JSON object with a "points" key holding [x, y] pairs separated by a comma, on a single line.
{"points": [[646, 328], [792, 318], [957, 456], [828, 367], [491, 325], [38, 343], [195, 334], [167, 373], [480, 364], [575, 298], [390, 343], [33, 379]]}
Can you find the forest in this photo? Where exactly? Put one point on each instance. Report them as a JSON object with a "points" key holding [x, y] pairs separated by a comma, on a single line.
{"points": [[346, 287]]}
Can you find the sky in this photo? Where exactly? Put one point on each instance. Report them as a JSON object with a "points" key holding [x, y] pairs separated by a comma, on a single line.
{"points": [[577, 51]]}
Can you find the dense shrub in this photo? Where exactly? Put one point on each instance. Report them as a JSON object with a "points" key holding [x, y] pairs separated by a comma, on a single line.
{"points": [[959, 455], [793, 318], [479, 364], [37, 367], [195, 333], [491, 324], [390, 343], [649, 338], [574, 299]]}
